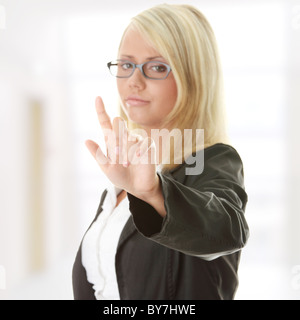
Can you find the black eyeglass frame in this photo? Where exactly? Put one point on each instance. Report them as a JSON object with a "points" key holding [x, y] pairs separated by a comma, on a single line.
{"points": [[140, 67]]}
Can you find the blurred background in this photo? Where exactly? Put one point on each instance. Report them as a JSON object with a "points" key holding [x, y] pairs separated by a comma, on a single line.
{"points": [[53, 57]]}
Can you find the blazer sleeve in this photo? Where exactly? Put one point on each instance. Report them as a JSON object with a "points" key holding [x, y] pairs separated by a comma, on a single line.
{"points": [[205, 212]]}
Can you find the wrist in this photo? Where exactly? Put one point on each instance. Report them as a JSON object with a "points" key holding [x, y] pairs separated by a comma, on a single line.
{"points": [[155, 198], [153, 192]]}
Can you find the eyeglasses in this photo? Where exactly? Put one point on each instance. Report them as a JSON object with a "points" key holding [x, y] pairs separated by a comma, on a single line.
{"points": [[154, 70]]}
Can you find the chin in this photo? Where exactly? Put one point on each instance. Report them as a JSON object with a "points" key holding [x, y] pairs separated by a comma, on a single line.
{"points": [[137, 116]]}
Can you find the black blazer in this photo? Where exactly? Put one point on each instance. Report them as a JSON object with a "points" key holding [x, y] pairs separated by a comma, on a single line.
{"points": [[191, 254]]}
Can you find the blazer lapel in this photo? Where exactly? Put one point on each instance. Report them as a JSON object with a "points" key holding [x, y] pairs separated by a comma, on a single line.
{"points": [[127, 231]]}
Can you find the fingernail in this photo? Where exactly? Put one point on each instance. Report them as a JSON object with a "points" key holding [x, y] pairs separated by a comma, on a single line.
{"points": [[126, 164]]}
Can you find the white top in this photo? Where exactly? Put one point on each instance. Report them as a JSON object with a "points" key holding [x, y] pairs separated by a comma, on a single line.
{"points": [[100, 243]]}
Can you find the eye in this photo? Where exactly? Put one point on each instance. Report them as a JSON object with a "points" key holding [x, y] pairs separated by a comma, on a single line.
{"points": [[160, 68], [126, 65]]}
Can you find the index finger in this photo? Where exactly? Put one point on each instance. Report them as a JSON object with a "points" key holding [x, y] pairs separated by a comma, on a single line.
{"points": [[103, 118]]}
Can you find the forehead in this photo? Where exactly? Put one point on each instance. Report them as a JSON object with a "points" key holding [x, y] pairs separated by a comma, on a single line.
{"points": [[134, 44]]}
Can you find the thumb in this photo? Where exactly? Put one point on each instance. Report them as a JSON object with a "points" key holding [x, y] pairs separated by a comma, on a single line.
{"points": [[96, 152]]}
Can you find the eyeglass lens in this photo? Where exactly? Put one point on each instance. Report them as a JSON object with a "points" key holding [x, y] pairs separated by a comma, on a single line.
{"points": [[152, 69]]}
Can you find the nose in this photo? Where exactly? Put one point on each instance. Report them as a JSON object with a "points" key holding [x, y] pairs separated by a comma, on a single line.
{"points": [[137, 80]]}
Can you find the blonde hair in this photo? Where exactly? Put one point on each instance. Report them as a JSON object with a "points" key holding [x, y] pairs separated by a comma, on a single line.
{"points": [[183, 36]]}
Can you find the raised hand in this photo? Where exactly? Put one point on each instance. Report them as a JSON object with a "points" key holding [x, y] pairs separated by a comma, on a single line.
{"points": [[129, 162]]}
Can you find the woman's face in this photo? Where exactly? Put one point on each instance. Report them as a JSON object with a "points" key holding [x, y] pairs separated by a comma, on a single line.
{"points": [[146, 102]]}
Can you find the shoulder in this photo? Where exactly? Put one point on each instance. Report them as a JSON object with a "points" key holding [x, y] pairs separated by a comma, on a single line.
{"points": [[220, 150], [217, 160], [222, 156], [222, 161]]}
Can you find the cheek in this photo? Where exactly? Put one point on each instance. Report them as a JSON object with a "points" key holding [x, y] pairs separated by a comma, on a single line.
{"points": [[120, 87], [121, 90], [169, 95]]}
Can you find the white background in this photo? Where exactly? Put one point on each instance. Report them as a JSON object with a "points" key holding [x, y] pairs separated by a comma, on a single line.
{"points": [[55, 53]]}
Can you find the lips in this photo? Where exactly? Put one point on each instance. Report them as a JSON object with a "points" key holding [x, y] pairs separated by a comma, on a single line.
{"points": [[136, 101]]}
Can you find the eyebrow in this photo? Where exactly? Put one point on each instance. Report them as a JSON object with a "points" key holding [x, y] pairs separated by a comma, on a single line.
{"points": [[149, 58]]}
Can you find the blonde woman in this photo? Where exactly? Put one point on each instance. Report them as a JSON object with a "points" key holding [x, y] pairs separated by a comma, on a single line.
{"points": [[164, 230]]}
